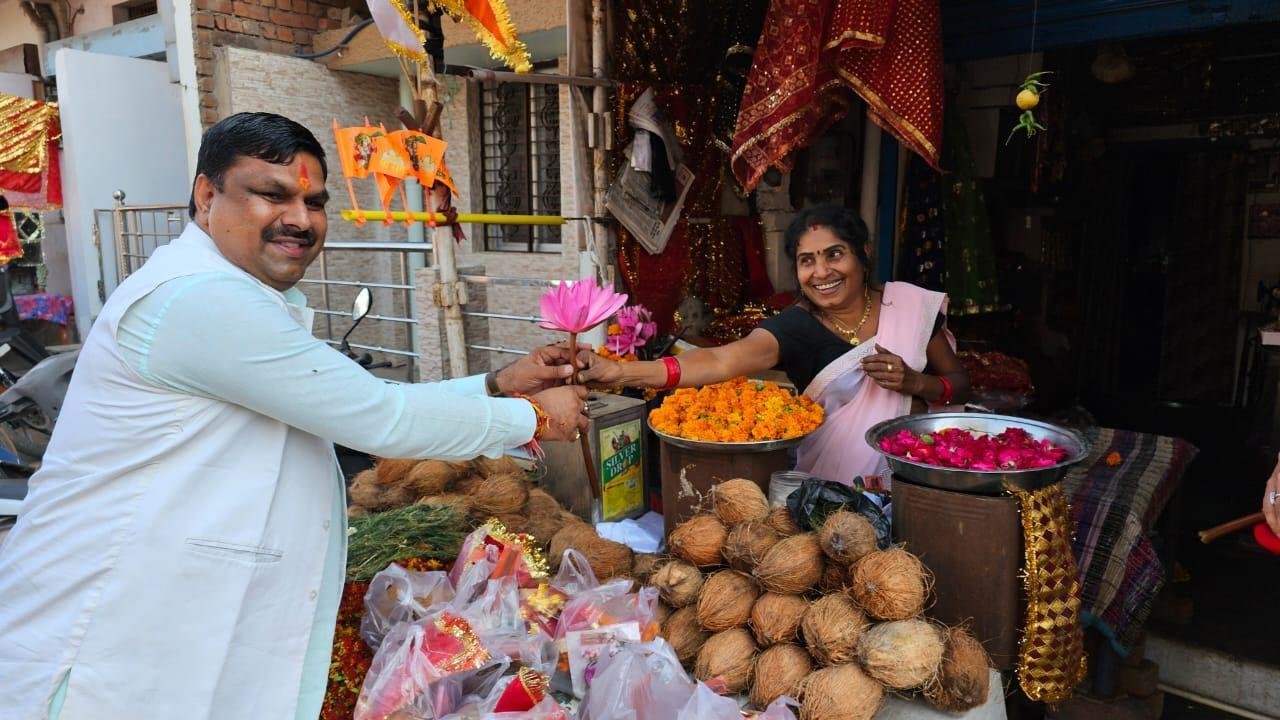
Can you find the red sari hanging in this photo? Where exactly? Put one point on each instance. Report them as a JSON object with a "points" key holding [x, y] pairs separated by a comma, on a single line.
{"points": [[815, 55]]}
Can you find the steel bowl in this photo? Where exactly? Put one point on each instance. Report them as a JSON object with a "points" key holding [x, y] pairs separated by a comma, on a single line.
{"points": [[758, 446], [983, 482]]}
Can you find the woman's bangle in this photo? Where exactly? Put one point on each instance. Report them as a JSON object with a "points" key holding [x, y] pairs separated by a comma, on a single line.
{"points": [[542, 420], [947, 391], [673, 372]]}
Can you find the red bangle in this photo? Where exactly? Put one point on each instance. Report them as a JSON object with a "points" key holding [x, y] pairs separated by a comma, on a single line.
{"points": [[947, 391], [673, 372]]}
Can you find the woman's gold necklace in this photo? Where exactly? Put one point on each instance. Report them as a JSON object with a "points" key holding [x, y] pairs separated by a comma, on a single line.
{"points": [[851, 334]]}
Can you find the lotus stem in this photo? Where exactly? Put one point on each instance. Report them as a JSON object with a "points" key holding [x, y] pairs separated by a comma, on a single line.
{"points": [[585, 442]]}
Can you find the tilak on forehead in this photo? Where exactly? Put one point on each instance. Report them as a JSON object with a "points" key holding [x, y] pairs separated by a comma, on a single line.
{"points": [[304, 181]]}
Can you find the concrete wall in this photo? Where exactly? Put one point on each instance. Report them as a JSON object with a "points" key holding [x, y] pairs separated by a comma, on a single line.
{"points": [[16, 27], [314, 96]]}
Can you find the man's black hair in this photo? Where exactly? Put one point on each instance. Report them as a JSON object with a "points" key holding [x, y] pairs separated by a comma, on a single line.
{"points": [[265, 136]]}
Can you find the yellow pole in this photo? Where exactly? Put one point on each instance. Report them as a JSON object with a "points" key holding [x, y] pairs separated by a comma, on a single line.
{"points": [[478, 218]]}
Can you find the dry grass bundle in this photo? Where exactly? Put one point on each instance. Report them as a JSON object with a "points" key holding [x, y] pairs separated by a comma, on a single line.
{"points": [[831, 629], [488, 467], [902, 654], [500, 495], [780, 520], [729, 655], [543, 516], [847, 536], [747, 543], [778, 672], [461, 504], [833, 578], [964, 678], [792, 566], [684, 633], [739, 500], [726, 599], [840, 692], [776, 618], [678, 583], [644, 565], [391, 471], [699, 540], [890, 584]]}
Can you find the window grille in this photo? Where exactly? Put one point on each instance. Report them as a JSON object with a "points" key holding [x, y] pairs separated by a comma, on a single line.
{"points": [[520, 159]]}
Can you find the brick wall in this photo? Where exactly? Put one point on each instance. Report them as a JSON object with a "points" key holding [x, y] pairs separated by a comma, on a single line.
{"points": [[276, 26]]}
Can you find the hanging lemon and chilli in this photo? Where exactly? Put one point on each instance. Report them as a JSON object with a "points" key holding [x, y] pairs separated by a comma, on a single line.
{"points": [[1028, 98]]}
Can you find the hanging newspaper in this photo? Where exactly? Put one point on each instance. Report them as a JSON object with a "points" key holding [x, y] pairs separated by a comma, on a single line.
{"points": [[647, 218]]}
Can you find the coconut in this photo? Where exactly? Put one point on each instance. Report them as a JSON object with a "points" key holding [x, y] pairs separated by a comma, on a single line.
{"points": [[432, 477], [778, 672], [747, 543], [902, 654], [780, 520], [831, 628], [776, 618], [460, 504], [678, 582], [833, 578], [608, 559], [365, 491], [728, 655], [644, 565], [356, 511], [792, 566], [393, 470], [699, 540], [840, 692], [739, 500], [570, 536], [847, 536], [500, 495], [488, 467], [543, 519], [726, 600], [890, 584], [964, 677], [662, 613], [684, 634], [466, 483]]}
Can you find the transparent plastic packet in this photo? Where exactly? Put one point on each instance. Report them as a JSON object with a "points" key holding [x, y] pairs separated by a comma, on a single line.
{"points": [[397, 595], [641, 682]]}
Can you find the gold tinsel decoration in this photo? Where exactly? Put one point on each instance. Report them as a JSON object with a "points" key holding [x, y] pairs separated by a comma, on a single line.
{"points": [[1051, 658], [24, 137]]}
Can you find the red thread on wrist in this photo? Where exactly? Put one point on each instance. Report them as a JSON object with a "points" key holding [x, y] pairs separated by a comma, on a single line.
{"points": [[673, 372], [947, 391], [543, 421]]}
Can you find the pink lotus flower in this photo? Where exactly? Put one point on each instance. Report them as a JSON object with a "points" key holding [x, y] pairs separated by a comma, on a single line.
{"points": [[637, 329], [579, 305]]}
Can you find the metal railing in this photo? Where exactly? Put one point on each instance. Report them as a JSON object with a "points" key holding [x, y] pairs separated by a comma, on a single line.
{"points": [[137, 230], [509, 281]]}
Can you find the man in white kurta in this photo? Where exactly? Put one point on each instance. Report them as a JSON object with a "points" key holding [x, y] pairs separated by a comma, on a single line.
{"points": [[180, 553]]}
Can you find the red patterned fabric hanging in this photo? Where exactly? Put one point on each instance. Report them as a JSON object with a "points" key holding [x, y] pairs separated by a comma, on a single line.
{"points": [[815, 55]]}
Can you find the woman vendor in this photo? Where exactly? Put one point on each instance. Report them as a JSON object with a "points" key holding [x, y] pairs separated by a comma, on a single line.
{"points": [[865, 354]]}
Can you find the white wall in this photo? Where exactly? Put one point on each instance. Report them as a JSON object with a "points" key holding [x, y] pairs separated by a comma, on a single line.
{"points": [[122, 128], [15, 27], [17, 84]]}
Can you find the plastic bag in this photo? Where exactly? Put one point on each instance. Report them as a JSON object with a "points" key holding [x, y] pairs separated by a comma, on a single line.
{"points": [[498, 619], [423, 669], [575, 575], [705, 704], [640, 682], [397, 595], [471, 582], [609, 604], [816, 499], [779, 709]]}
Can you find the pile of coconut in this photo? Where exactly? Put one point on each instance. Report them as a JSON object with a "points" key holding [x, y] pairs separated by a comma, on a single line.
{"points": [[824, 617], [484, 488]]}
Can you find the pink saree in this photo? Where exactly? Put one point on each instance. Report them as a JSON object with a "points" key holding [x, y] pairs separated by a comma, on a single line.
{"points": [[837, 451]]}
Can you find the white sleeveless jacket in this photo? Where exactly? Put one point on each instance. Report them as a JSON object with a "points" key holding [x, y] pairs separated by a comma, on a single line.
{"points": [[187, 587]]}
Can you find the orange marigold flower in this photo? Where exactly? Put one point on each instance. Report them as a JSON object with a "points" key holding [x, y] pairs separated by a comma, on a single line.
{"points": [[1114, 459], [739, 410]]}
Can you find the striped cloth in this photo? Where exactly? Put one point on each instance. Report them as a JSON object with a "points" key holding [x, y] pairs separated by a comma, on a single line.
{"points": [[1114, 509]]}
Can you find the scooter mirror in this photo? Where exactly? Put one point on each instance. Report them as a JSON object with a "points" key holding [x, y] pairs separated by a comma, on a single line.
{"points": [[363, 301]]}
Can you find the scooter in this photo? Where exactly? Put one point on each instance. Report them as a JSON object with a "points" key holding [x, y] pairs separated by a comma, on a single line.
{"points": [[28, 410]]}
